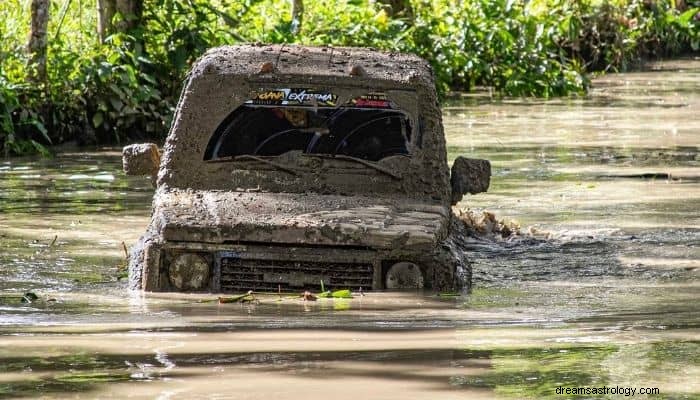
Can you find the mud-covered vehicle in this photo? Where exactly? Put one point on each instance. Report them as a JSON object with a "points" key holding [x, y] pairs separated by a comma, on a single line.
{"points": [[288, 166]]}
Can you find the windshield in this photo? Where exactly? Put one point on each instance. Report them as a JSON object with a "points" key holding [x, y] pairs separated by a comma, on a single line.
{"points": [[261, 130]]}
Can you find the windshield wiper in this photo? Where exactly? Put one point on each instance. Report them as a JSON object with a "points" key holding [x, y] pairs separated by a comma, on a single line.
{"points": [[244, 157], [366, 163]]}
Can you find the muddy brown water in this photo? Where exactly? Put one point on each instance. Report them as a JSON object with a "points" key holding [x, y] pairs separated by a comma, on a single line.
{"points": [[607, 293]]}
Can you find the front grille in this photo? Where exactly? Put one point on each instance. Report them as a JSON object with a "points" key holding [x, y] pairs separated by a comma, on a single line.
{"points": [[264, 275]]}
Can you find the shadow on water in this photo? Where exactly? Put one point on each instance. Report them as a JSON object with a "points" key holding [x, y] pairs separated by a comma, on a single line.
{"points": [[515, 372], [88, 372]]}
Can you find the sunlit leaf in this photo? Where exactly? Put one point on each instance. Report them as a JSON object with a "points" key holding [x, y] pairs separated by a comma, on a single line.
{"points": [[342, 294], [97, 119]]}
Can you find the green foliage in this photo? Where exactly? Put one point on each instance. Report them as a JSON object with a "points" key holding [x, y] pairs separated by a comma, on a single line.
{"points": [[126, 88], [175, 33], [16, 119], [119, 94], [617, 35], [494, 43]]}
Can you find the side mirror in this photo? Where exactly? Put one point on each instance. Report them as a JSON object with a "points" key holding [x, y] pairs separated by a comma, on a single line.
{"points": [[141, 159], [469, 175]]}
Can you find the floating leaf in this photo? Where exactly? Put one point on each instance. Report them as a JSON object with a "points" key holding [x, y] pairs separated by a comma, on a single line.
{"points": [[342, 294], [94, 377], [243, 298]]}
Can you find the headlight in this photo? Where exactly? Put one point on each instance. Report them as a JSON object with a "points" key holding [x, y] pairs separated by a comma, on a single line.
{"points": [[404, 275], [189, 271]]}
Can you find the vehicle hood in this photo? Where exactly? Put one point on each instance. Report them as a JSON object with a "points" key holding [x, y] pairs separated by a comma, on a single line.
{"points": [[305, 218]]}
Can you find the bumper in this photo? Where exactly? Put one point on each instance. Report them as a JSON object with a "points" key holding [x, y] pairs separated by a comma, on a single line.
{"points": [[237, 268]]}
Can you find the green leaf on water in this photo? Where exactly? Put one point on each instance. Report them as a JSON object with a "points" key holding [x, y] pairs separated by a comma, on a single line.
{"points": [[324, 294], [243, 298], [342, 294], [94, 377]]}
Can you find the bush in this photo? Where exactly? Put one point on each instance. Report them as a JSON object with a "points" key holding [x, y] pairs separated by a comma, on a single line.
{"points": [[19, 123]]}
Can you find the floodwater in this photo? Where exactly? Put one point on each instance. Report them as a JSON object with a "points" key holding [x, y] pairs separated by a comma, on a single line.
{"points": [[602, 288]]}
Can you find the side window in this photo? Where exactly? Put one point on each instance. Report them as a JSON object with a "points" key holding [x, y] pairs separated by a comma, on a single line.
{"points": [[365, 133]]}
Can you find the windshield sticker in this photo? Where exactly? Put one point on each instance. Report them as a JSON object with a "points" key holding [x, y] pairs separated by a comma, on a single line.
{"points": [[293, 97], [373, 100]]}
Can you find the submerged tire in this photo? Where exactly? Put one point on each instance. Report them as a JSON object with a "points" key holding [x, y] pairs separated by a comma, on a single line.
{"points": [[404, 275]]}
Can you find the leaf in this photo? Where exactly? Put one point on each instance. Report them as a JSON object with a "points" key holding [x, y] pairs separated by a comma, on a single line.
{"points": [[342, 294], [688, 15], [324, 295], [97, 119], [113, 58], [116, 90], [41, 128], [243, 298], [41, 149], [116, 103], [148, 78]]}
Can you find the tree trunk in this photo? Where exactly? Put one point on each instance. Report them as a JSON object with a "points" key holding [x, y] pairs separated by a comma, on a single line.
{"points": [[131, 12], [105, 12], [297, 15], [38, 40]]}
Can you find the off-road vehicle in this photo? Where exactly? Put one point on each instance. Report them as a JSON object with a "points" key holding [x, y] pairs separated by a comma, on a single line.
{"points": [[288, 166]]}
